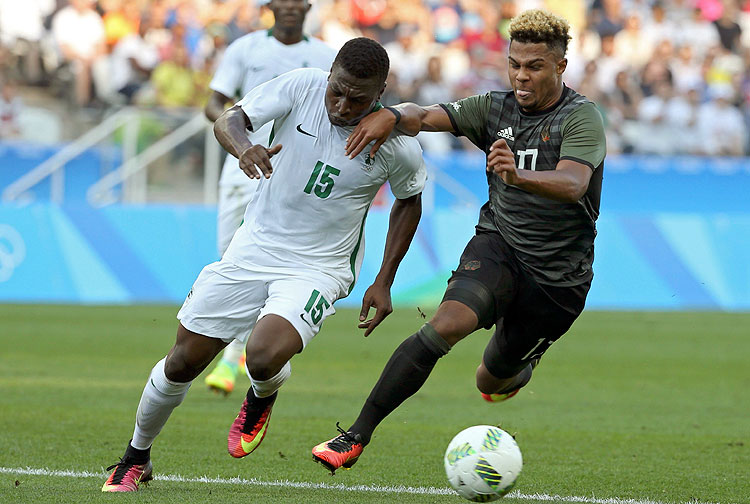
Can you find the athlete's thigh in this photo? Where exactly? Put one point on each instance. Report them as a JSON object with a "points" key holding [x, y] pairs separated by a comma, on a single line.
{"points": [[538, 317], [485, 279], [305, 299], [224, 302]]}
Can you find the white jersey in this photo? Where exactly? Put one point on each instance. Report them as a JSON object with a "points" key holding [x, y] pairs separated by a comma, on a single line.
{"points": [[257, 58], [311, 212]]}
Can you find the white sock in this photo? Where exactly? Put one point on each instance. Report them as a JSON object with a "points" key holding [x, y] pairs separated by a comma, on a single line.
{"points": [[265, 388], [233, 352], [159, 398]]}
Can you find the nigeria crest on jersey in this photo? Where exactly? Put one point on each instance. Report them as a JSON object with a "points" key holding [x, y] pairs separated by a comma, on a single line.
{"points": [[368, 163]]}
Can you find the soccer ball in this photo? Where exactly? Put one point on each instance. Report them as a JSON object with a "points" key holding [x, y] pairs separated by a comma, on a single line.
{"points": [[482, 463]]}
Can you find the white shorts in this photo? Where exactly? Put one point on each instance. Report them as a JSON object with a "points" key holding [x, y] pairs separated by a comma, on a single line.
{"points": [[226, 300], [233, 200]]}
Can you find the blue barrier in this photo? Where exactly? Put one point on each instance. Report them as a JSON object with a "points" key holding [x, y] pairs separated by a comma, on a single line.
{"points": [[631, 183], [18, 158], [125, 254], [674, 233]]}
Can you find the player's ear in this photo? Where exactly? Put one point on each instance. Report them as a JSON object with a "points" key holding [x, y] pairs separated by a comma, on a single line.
{"points": [[562, 65]]}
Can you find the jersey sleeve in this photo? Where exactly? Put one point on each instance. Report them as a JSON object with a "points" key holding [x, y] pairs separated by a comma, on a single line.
{"points": [[583, 136], [229, 75], [276, 98], [407, 173], [469, 117]]}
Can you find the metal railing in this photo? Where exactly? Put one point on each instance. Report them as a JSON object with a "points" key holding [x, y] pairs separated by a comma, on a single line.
{"points": [[131, 173], [53, 167]]}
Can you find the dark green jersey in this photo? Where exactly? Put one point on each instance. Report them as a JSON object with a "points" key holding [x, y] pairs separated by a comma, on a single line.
{"points": [[553, 240]]}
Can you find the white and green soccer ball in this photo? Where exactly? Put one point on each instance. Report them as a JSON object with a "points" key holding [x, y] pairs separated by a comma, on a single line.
{"points": [[482, 463]]}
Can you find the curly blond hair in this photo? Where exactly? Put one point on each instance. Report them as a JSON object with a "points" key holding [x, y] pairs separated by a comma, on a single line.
{"points": [[536, 26]]}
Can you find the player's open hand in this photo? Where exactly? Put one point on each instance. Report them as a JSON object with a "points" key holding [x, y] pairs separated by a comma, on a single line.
{"points": [[255, 161], [378, 297], [376, 126], [502, 161]]}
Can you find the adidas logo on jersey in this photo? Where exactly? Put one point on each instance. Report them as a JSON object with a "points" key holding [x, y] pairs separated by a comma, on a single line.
{"points": [[506, 133]]}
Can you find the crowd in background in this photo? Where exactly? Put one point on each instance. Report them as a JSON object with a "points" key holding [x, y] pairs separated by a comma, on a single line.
{"points": [[670, 76]]}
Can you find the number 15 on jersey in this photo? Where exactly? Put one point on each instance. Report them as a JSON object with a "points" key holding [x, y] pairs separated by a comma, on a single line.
{"points": [[324, 185]]}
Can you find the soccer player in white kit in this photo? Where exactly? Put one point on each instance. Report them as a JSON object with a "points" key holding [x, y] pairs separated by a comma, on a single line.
{"points": [[298, 250], [249, 61]]}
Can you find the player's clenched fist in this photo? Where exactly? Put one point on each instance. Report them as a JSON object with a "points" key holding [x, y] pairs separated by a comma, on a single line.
{"points": [[256, 160], [502, 161]]}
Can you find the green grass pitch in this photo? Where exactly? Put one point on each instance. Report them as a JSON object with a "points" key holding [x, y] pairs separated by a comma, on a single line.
{"points": [[640, 406]]}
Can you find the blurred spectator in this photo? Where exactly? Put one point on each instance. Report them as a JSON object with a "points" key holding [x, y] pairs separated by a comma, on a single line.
{"points": [[432, 89], [407, 60], [132, 61], [729, 30], [654, 73], [366, 13], [336, 27], [607, 17], [588, 85], [446, 21], [22, 31], [686, 71], [121, 18], [626, 97], [79, 33], [660, 28], [634, 48], [622, 50], [682, 114], [222, 12], [10, 110], [722, 127], [393, 93], [174, 81], [698, 33], [725, 69], [655, 135], [246, 19], [608, 64]]}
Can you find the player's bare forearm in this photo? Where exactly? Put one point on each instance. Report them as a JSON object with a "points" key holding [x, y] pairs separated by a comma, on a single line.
{"points": [[567, 185], [230, 129], [378, 126], [415, 118], [216, 105], [568, 182], [402, 225]]}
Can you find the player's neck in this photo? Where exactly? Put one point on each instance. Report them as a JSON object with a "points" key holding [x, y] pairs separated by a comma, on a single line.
{"points": [[287, 36]]}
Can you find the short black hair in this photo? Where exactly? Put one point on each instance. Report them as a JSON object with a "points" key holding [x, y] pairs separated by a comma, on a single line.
{"points": [[363, 58]]}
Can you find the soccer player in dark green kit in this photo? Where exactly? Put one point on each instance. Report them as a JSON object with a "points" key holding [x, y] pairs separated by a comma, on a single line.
{"points": [[527, 270]]}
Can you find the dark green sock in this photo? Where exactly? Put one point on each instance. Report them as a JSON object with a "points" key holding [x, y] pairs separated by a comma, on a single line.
{"points": [[404, 374]]}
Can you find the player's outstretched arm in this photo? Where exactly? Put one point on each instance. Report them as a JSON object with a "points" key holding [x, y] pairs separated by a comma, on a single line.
{"points": [[230, 130], [404, 219], [408, 118]]}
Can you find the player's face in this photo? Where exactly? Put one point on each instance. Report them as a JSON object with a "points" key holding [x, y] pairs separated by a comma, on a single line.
{"points": [[289, 13], [535, 73], [348, 98]]}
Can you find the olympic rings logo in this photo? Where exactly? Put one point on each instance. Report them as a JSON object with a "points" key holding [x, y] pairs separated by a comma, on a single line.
{"points": [[12, 251]]}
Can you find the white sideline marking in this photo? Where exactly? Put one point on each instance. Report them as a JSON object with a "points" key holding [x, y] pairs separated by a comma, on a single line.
{"points": [[399, 489]]}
